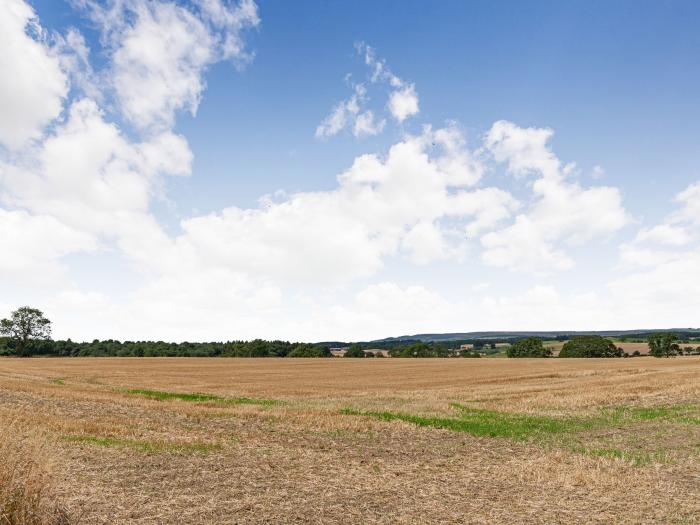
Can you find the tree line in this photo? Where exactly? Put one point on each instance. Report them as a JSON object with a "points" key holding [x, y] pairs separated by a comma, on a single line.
{"points": [[661, 344], [254, 348], [27, 332], [113, 348]]}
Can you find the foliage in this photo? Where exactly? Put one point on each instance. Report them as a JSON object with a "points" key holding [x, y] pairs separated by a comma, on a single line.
{"points": [[420, 350], [309, 350], [355, 351], [6, 346], [114, 348], [483, 345], [662, 344], [590, 346], [530, 347], [24, 325], [254, 348], [258, 348]]}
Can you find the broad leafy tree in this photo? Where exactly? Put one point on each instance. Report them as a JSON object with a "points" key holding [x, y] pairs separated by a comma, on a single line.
{"points": [[590, 346], [530, 347], [662, 344], [25, 325]]}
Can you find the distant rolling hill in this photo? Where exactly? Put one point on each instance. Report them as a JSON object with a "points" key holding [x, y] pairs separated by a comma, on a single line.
{"points": [[544, 334]]}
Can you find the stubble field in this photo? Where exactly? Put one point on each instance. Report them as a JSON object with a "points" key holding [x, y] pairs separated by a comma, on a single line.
{"points": [[179, 440]]}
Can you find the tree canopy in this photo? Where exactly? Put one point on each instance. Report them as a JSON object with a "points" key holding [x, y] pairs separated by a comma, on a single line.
{"points": [[254, 348], [530, 347], [354, 351], [590, 346], [24, 325], [662, 344], [420, 350], [309, 350]]}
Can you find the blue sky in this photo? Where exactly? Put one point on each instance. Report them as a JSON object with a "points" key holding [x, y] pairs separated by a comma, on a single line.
{"points": [[527, 105]]}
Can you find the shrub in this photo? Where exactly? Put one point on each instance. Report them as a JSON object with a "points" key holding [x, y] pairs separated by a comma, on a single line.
{"points": [[530, 347], [590, 346]]}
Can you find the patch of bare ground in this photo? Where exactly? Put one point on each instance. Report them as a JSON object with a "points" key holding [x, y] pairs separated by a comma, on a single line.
{"points": [[122, 457]]}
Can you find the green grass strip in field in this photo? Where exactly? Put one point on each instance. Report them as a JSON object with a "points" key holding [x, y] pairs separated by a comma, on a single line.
{"points": [[491, 423], [143, 446], [481, 422], [194, 397], [638, 458], [620, 415]]}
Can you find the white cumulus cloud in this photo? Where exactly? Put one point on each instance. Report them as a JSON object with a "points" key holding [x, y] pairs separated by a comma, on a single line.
{"points": [[662, 265], [33, 85], [351, 113], [88, 175], [383, 206], [161, 51], [403, 102], [562, 211], [366, 124], [33, 245]]}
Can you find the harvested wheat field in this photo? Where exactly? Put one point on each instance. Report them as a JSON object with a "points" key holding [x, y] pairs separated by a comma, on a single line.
{"points": [[179, 440]]}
